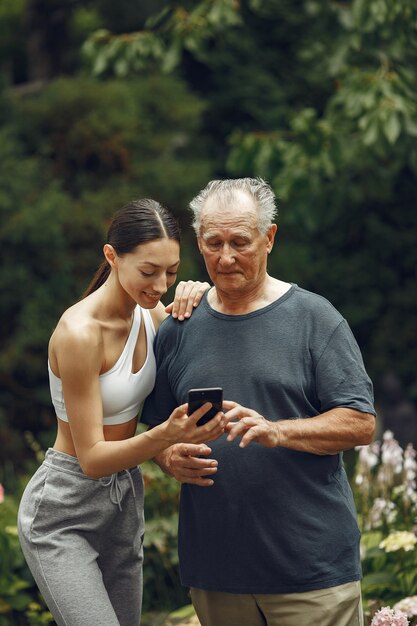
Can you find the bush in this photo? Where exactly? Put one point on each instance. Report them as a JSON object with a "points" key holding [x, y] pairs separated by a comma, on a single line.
{"points": [[384, 485], [70, 155], [161, 582], [20, 601]]}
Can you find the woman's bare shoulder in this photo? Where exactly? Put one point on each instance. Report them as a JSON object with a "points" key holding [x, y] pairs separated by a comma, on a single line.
{"points": [[78, 335]]}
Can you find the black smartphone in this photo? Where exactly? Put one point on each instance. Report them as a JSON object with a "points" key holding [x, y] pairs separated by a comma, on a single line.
{"points": [[197, 397]]}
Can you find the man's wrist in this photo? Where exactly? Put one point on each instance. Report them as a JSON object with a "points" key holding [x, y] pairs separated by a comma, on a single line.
{"points": [[163, 460], [278, 434]]}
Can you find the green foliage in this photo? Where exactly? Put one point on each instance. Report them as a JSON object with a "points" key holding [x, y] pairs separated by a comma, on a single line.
{"points": [[162, 587], [12, 38], [11, 12], [70, 155], [161, 582], [390, 576], [319, 99], [106, 135], [124, 54], [31, 210], [178, 28], [20, 603]]}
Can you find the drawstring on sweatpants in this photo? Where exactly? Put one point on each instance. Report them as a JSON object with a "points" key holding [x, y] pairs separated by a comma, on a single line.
{"points": [[115, 488]]}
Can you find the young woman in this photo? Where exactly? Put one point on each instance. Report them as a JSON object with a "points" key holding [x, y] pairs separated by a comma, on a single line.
{"points": [[81, 516]]}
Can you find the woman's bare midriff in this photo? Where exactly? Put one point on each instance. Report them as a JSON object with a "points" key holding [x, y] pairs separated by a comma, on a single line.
{"points": [[117, 432]]}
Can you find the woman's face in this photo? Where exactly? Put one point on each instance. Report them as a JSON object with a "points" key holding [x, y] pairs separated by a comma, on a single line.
{"points": [[146, 273]]}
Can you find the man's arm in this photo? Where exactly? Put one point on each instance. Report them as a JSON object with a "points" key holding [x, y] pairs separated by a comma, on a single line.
{"points": [[329, 433]]}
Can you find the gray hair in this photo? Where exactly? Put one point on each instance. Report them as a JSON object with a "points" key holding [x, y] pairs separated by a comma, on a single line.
{"points": [[225, 190]]}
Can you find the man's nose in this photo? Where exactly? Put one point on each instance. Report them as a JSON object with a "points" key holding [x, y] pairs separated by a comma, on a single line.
{"points": [[226, 255]]}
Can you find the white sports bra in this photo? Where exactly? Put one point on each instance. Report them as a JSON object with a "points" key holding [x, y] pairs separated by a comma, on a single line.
{"points": [[122, 391]]}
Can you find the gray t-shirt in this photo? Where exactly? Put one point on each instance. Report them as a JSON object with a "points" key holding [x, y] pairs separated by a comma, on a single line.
{"points": [[275, 520]]}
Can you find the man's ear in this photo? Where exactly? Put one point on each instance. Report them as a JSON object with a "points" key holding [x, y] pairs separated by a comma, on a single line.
{"points": [[110, 255], [271, 237], [199, 243]]}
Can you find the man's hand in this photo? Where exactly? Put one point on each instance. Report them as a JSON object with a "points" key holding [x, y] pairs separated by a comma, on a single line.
{"points": [[187, 296], [183, 463], [251, 427]]}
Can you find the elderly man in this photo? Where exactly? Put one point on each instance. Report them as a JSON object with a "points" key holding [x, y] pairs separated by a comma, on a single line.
{"points": [[267, 531]]}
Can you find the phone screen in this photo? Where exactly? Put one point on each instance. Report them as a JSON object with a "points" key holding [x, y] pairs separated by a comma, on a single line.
{"points": [[197, 397]]}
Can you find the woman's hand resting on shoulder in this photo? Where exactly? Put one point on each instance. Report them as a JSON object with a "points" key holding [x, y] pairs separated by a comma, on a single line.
{"points": [[188, 295]]}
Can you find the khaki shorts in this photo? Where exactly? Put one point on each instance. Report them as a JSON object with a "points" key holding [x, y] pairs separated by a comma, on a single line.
{"points": [[335, 606]]}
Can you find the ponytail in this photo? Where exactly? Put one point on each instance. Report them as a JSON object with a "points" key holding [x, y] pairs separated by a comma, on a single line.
{"points": [[99, 279]]}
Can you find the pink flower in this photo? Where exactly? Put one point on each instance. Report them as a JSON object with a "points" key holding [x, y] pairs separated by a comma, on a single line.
{"points": [[389, 617], [407, 605], [1, 493]]}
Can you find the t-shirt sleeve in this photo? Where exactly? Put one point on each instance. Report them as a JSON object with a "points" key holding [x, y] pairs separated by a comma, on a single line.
{"points": [[341, 378], [161, 402]]}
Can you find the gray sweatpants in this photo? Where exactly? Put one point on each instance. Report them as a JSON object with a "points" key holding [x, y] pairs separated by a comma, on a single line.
{"points": [[82, 539]]}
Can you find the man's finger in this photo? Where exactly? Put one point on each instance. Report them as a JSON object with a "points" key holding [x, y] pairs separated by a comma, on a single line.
{"points": [[249, 436], [240, 427], [194, 472], [196, 464], [201, 482], [229, 404], [194, 449], [237, 413]]}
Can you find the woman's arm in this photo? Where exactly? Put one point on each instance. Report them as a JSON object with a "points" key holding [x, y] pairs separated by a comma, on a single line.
{"points": [[79, 354]]}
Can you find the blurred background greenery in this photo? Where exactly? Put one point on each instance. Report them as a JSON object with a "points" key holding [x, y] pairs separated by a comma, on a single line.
{"points": [[102, 102]]}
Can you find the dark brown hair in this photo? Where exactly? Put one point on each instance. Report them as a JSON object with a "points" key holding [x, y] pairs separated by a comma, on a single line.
{"points": [[135, 223]]}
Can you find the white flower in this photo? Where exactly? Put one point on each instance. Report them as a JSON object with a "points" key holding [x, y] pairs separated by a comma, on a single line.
{"points": [[391, 451], [399, 540], [369, 455], [382, 510]]}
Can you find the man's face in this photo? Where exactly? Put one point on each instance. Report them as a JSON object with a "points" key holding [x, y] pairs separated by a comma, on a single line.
{"points": [[234, 250]]}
